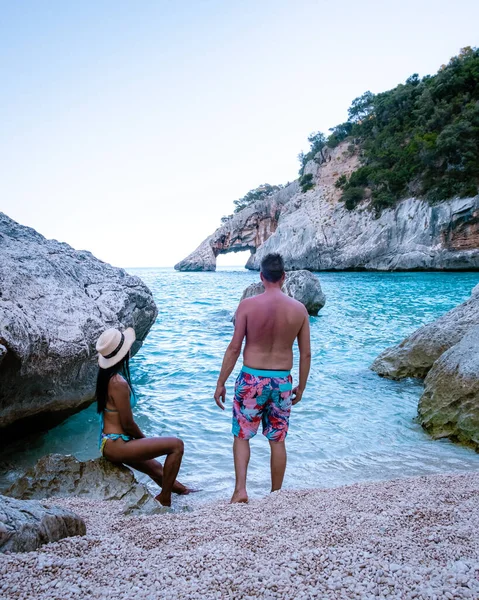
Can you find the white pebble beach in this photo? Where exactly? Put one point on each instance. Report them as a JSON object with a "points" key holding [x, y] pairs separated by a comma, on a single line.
{"points": [[402, 539]]}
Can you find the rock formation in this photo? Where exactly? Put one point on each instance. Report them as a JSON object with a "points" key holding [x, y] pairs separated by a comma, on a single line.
{"points": [[58, 476], [314, 230], [54, 303], [449, 406], [300, 285], [415, 355], [25, 524], [246, 230], [446, 353]]}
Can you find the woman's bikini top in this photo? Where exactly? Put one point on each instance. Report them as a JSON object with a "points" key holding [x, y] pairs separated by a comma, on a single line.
{"points": [[102, 422]]}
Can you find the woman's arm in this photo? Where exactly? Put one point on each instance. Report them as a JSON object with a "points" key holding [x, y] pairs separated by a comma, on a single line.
{"points": [[120, 392]]}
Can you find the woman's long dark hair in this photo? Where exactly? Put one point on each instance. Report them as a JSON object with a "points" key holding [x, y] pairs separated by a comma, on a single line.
{"points": [[103, 379]]}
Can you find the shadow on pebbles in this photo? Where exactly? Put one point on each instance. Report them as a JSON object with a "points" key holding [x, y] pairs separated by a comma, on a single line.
{"points": [[410, 538]]}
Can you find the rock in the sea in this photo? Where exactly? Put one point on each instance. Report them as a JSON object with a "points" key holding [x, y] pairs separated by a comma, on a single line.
{"points": [[54, 303], [59, 476], [415, 355], [27, 524], [447, 351], [300, 285], [246, 230], [449, 406], [315, 231]]}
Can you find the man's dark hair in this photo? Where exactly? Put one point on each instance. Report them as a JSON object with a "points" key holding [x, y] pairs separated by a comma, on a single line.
{"points": [[272, 267]]}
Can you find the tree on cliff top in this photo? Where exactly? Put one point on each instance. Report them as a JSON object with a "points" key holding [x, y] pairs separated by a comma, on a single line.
{"points": [[259, 193], [420, 138]]}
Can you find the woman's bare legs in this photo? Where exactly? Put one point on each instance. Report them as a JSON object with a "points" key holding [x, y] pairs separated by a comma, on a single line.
{"points": [[146, 449], [154, 469]]}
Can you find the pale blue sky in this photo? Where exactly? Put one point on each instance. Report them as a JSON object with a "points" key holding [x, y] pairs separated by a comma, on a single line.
{"points": [[128, 128]]}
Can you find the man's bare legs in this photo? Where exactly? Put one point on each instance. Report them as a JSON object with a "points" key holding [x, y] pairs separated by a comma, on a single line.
{"points": [[278, 464], [241, 454]]}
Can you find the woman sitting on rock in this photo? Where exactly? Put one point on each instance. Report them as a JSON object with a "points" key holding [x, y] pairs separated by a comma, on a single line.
{"points": [[121, 440]]}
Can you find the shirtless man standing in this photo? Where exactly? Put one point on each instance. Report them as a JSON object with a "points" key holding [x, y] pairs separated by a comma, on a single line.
{"points": [[263, 391]]}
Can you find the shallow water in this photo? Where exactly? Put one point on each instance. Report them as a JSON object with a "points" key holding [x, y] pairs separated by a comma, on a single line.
{"points": [[351, 425]]}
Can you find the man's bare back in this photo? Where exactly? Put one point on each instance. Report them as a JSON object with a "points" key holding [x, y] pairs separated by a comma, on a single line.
{"points": [[273, 322], [264, 393]]}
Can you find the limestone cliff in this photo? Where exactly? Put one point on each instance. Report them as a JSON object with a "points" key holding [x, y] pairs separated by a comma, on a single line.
{"points": [[54, 303], [315, 231], [246, 230]]}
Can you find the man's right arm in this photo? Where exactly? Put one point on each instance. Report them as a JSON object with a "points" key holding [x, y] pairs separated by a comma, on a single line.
{"points": [[231, 355], [304, 345]]}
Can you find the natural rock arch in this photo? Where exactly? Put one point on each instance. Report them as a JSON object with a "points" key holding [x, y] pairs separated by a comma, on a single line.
{"points": [[246, 230]]}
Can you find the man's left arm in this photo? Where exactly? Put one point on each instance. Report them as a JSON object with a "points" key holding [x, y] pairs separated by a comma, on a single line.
{"points": [[231, 355]]}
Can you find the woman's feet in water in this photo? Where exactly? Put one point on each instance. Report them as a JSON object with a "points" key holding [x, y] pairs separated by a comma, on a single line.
{"points": [[178, 488], [183, 490], [239, 497], [164, 499]]}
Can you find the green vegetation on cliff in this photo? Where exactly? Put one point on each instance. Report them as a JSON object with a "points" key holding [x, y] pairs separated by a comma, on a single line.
{"points": [[260, 193], [419, 139]]}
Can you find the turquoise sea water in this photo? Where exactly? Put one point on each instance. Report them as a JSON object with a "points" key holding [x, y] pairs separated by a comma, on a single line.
{"points": [[351, 425]]}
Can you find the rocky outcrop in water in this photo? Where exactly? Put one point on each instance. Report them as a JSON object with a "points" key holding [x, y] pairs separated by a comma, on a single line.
{"points": [[25, 525], [446, 353], [246, 230], [300, 285], [58, 476], [415, 355], [315, 231], [449, 406], [54, 303]]}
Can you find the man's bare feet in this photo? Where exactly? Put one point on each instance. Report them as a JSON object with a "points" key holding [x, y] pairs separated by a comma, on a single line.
{"points": [[164, 499], [239, 497]]}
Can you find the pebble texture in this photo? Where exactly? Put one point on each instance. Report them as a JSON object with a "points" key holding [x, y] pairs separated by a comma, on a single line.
{"points": [[449, 406], [415, 355], [25, 525], [58, 476], [300, 285], [413, 538], [54, 303]]}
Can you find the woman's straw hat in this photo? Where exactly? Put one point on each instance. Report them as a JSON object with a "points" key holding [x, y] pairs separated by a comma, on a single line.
{"points": [[113, 346]]}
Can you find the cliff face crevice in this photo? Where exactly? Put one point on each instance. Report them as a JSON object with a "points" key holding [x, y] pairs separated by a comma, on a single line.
{"points": [[314, 230], [463, 231]]}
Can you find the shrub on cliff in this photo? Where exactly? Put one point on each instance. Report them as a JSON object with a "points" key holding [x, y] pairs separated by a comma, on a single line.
{"points": [[306, 182], [259, 193], [317, 142], [352, 197], [339, 133]]}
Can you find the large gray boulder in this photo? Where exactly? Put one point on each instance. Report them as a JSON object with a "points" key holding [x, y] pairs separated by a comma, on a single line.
{"points": [[54, 303], [27, 524], [449, 406], [59, 476], [300, 285], [415, 355]]}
